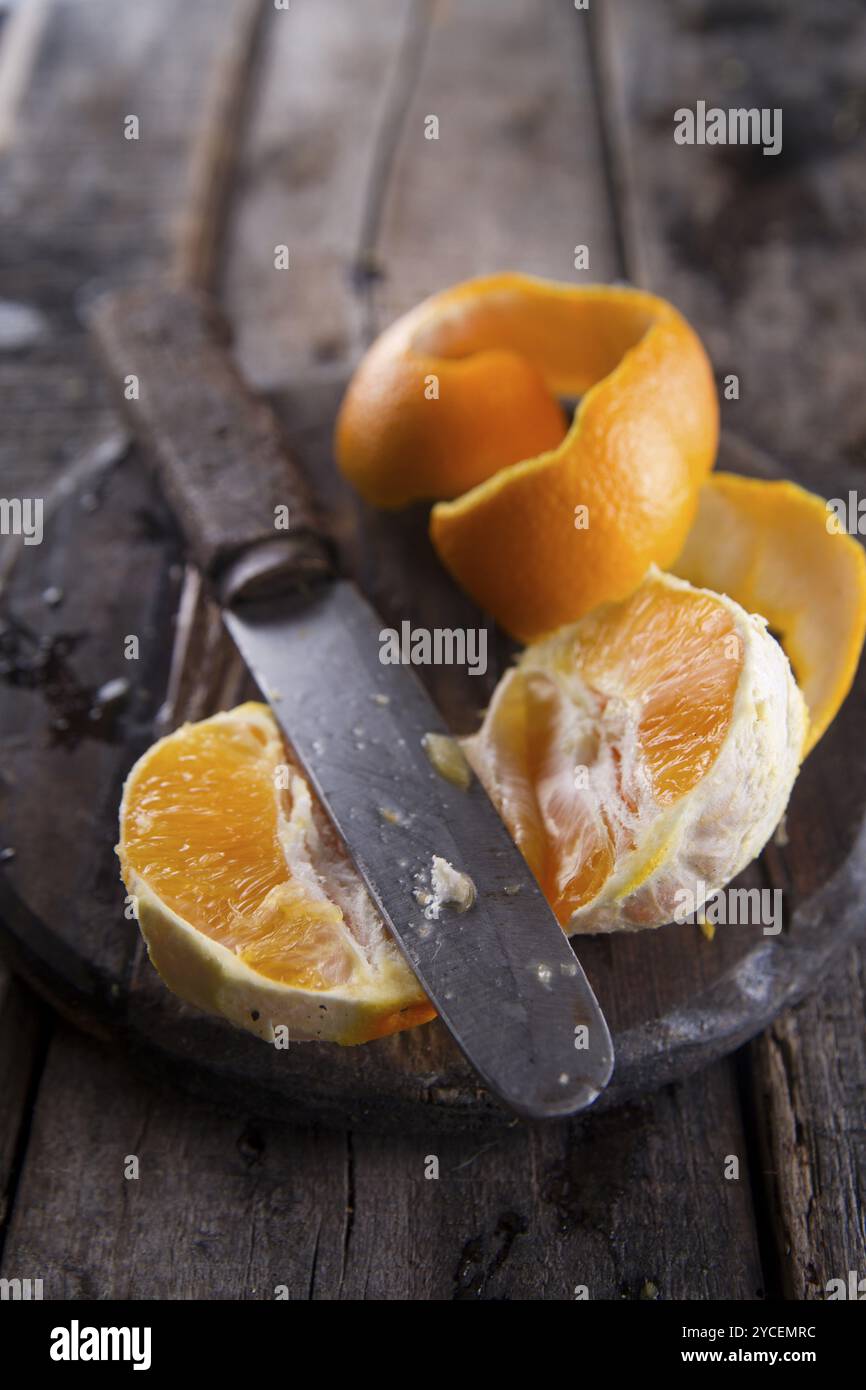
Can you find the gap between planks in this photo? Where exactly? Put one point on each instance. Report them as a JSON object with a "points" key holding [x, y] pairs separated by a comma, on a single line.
{"points": [[214, 155]]}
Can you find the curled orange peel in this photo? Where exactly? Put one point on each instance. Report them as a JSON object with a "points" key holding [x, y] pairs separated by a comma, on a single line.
{"points": [[458, 401], [771, 546]]}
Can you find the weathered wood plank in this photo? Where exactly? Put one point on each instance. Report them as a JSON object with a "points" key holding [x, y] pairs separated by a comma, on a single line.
{"points": [[308, 164], [21, 30], [211, 1215], [810, 1111], [82, 202], [25, 1027], [226, 1207], [763, 253], [631, 1205], [515, 179], [212, 160]]}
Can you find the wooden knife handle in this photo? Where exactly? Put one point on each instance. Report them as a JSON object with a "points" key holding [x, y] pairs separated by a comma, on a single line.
{"points": [[244, 507]]}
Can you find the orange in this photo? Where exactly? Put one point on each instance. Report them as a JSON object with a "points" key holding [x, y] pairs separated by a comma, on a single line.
{"points": [[249, 903], [645, 752], [458, 400], [777, 550]]}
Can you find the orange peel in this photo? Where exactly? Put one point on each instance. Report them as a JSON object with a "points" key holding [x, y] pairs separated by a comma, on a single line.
{"points": [[539, 521], [775, 549]]}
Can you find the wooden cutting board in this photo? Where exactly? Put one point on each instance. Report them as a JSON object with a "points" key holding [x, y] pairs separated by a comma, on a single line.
{"points": [[75, 713]]}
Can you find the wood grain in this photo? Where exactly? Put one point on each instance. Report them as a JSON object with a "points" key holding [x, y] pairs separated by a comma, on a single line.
{"points": [[515, 178], [212, 160], [763, 253], [84, 204], [324, 103], [810, 1112], [25, 1028], [631, 1205]]}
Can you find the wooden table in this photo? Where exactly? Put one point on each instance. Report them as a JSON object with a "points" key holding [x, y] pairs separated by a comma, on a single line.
{"points": [[261, 127]]}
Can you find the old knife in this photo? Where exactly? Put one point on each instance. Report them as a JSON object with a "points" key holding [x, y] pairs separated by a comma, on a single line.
{"points": [[501, 973]]}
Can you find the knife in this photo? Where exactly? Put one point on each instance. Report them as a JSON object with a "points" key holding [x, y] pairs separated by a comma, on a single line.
{"points": [[500, 972]]}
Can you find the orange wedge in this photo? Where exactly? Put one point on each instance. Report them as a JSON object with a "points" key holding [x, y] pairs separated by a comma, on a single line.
{"points": [[642, 756], [458, 400], [777, 550], [249, 904]]}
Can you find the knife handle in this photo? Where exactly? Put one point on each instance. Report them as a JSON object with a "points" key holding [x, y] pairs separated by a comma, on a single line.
{"points": [[243, 505]]}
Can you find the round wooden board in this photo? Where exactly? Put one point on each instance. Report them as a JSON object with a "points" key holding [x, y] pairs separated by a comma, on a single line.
{"points": [[109, 568]]}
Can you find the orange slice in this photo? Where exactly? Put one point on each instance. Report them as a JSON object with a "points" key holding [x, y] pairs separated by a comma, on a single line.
{"points": [[777, 550], [247, 900], [458, 400], [644, 755]]}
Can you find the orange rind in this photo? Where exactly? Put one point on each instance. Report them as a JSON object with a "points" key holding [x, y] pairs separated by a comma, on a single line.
{"points": [[537, 520], [777, 550]]}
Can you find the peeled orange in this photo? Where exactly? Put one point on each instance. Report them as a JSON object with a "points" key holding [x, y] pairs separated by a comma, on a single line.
{"points": [[645, 752], [248, 902], [774, 548]]}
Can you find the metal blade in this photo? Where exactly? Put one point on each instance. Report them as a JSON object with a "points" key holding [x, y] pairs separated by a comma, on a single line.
{"points": [[501, 974]]}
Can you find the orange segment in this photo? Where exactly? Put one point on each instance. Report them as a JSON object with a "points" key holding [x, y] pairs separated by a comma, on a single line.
{"points": [[776, 550], [221, 843], [202, 830], [653, 741], [676, 656], [531, 742]]}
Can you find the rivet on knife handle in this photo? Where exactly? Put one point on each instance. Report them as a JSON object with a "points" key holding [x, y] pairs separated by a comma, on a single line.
{"points": [[221, 457]]}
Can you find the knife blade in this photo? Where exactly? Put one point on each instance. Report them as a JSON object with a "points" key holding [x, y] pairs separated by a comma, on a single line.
{"points": [[495, 962]]}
